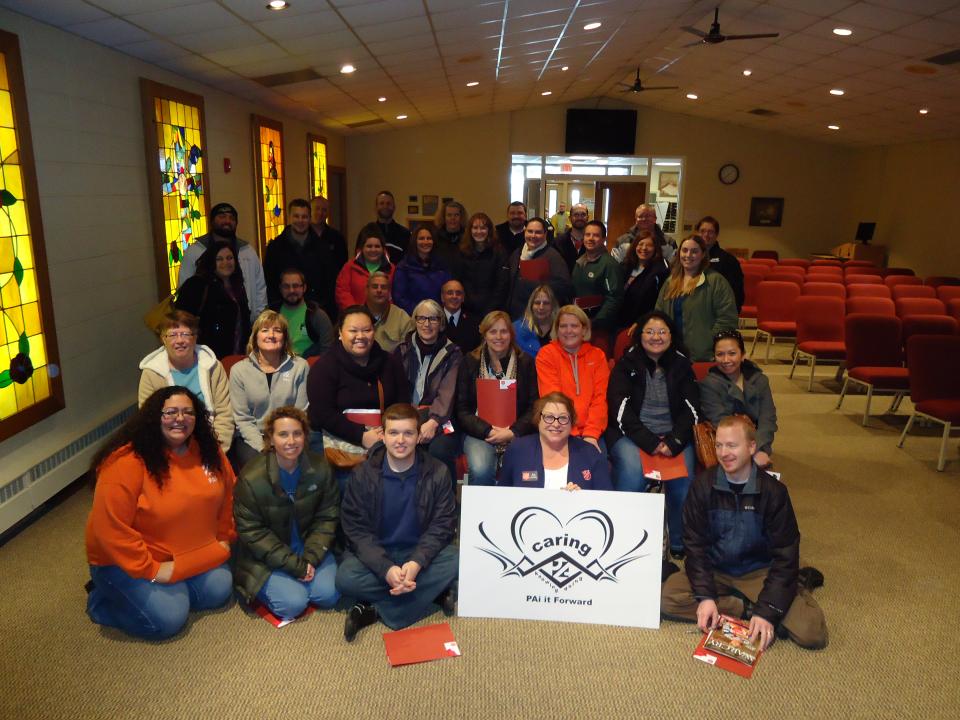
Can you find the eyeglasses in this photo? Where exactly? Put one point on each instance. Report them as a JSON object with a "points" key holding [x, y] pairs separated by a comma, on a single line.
{"points": [[551, 419], [183, 334], [662, 332], [173, 413], [423, 320]]}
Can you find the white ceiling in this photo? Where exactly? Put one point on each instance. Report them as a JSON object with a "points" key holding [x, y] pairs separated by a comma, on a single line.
{"points": [[420, 54]]}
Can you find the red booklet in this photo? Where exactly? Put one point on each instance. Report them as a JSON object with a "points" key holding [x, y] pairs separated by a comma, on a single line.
{"points": [[261, 610], [588, 302], [422, 644], [360, 416], [728, 646], [661, 467], [536, 270], [497, 401]]}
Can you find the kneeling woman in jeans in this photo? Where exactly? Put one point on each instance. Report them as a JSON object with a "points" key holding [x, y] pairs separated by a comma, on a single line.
{"points": [[653, 401], [159, 533], [286, 508]]}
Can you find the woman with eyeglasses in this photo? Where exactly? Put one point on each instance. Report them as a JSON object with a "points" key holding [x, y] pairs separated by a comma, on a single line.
{"points": [[552, 458], [159, 532], [654, 401], [270, 376], [181, 361], [736, 386], [432, 362], [420, 275], [534, 329], [698, 300]]}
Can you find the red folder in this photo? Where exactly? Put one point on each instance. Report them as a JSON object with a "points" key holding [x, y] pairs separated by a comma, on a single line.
{"points": [[422, 644], [261, 610], [536, 270], [736, 631], [588, 302], [661, 467], [497, 401], [360, 416]]}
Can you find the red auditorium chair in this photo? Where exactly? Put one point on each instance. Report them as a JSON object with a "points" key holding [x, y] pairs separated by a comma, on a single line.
{"points": [[934, 385], [887, 272], [892, 281], [919, 306], [859, 263], [938, 280], [775, 312], [823, 289], [750, 281], [953, 308], [790, 269], [769, 262], [795, 262], [779, 276], [927, 325], [912, 291], [860, 270], [871, 305], [229, 361], [859, 279], [881, 291], [765, 255], [624, 338], [824, 278], [825, 270], [948, 293], [875, 358], [826, 262], [820, 332], [700, 369], [759, 268]]}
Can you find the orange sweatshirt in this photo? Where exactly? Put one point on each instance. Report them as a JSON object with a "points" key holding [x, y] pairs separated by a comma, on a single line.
{"points": [[582, 378], [136, 525]]}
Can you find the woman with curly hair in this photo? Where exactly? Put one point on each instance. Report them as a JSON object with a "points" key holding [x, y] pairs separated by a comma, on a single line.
{"points": [[159, 533]]}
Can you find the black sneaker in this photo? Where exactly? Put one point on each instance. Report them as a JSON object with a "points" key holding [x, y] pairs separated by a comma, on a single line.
{"points": [[809, 578], [678, 554], [447, 600], [358, 617]]}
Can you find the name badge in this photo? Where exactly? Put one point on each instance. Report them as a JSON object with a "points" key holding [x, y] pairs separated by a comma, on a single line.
{"points": [[716, 259], [529, 476]]}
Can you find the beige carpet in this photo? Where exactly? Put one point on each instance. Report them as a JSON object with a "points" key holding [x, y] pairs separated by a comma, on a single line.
{"points": [[879, 522]]}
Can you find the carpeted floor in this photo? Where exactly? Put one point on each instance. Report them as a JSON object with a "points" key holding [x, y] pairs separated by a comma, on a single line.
{"points": [[879, 522]]}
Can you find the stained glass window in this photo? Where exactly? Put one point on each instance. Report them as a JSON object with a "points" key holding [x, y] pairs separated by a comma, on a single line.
{"points": [[318, 165], [176, 150], [30, 386], [268, 142]]}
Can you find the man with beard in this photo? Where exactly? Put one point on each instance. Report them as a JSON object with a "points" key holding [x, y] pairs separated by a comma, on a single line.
{"points": [[646, 219], [397, 236], [510, 233], [299, 247], [311, 331], [319, 213], [223, 226], [570, 242]]}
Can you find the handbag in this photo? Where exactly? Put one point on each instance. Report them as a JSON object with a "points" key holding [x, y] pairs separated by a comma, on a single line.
{"points": [[154, 316], [343, 455], [705, 440]]}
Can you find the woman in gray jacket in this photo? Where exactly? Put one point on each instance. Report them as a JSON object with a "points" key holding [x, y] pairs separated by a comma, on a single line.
{"points": [[271, 376], [736, 386]]}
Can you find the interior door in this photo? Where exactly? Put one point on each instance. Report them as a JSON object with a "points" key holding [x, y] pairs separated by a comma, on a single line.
{"points": [[620, 207]]}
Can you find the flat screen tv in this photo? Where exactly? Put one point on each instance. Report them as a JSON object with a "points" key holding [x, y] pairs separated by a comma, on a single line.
{"points": [[601, 132]]}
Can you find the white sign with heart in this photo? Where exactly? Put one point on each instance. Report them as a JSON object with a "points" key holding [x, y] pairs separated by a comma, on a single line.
{"points": [[586, 556]]}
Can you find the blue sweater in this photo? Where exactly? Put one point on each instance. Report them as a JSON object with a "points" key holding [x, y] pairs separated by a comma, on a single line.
{"points": [[413, 281], [587, 467], [399, 525]]}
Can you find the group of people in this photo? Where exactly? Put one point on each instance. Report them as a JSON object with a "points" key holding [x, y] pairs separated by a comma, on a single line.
{"points": [[360, 425]]}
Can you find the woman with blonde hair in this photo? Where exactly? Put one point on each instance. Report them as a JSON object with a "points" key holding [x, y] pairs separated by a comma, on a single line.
{"points": [[535, 328], [497, 357], [698, 300], [271, 376]]}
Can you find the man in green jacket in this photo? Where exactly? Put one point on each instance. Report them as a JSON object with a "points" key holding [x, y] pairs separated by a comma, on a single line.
{"points": [[597, 279]]}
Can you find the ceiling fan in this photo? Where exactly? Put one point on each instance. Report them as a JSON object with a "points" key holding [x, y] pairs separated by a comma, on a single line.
{"points": [[640, 87], [715, 37]]}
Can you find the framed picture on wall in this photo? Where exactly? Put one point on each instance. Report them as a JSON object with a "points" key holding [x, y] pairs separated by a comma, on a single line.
{"points": [[413, 209], [668, 184], [766, 211], [430, 204]]}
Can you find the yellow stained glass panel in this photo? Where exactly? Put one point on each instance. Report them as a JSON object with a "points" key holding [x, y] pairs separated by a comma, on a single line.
{"points": [[271, 183], [318, 159], [6, 110]]}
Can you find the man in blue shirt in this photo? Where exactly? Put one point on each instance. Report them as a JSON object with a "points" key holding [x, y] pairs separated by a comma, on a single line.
{"points": [[399, 519]]}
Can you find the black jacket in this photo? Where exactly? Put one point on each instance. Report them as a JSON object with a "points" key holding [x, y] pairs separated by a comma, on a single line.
{"points": [[484, 277], [640, 296], [727, 265], [625, 395], [568, 251], [397, 237], [466, 335], [362, 505], [509, 240], [527, 393], [218, 313], [319, 259], [739, 533]]}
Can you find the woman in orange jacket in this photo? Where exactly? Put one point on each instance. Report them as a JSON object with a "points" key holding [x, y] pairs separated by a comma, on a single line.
{"points": [[159, 533], [371, 257], [574, 367]]}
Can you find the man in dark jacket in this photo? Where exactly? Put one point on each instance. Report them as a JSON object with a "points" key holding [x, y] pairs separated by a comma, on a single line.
{"points": [[569, 243], [743, 550], [396, 236], [399, 518], [510, 233], [720, 260], [535, 263], [319, 213], [462, 328]]}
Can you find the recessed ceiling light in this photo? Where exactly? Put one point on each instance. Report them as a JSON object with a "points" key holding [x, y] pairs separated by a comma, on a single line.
{"points": [[836, 91], [833, 127], [547, 92], [564, 68], [347, 69], [923, 111], [844, 32], [473, 83], [277, 5], [692, 96], [592, 26], [748, 72], [381, 99], [401, 117]]}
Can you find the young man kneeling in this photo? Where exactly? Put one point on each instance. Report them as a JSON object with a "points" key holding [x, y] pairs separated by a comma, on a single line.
{"points": [[743, 550], [399, 518]]}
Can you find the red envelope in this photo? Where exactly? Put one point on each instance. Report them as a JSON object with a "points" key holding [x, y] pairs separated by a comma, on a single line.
{"points": [[422, 644], [497, 401], [360, 416], [588, 302], [666, 468], [536, 270]]}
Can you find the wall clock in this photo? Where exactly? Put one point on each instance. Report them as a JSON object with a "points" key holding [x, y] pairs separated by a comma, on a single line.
{"points": [[729, 174]]}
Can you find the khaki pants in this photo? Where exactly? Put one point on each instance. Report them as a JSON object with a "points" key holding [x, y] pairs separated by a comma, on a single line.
{"points": [[804, 621]]}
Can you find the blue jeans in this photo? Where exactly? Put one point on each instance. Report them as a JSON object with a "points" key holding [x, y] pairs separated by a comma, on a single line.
{"points": [[481, 461], [446, 449], [355, 580], [628, 476], [154, 611], [287, 597]]}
